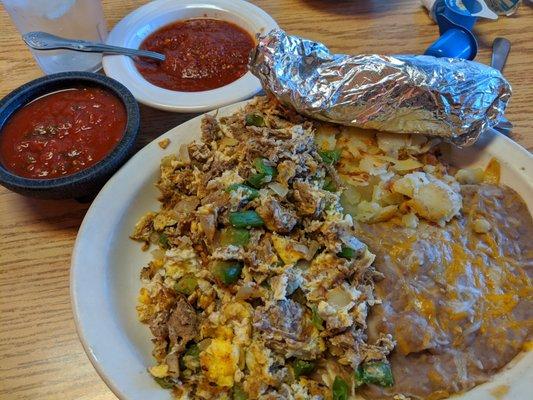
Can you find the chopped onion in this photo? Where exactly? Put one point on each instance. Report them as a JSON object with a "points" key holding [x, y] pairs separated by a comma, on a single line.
{"points": [[228, 142], [246, 291], [158, 254], [338, 297], [279, 189], [154, 237], [183, 153]]}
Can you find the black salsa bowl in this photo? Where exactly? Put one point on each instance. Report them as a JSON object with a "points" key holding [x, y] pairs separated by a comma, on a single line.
{"points": [[87, 182]]}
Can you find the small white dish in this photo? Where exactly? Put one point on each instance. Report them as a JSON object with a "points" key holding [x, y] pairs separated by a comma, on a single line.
{"points": [[104, 280], [135, 27]]}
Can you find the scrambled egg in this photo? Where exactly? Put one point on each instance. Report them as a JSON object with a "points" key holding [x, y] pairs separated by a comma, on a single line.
{"points": [[219, 362], [180, 262], [159, 371], [289, 250]]}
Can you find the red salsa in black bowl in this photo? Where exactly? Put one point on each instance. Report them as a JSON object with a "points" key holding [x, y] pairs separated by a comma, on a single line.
{"points": [[65, 134]]}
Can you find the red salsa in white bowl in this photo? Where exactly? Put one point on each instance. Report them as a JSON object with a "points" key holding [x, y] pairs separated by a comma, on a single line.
{"points": [[206, 45], [201, 54]]}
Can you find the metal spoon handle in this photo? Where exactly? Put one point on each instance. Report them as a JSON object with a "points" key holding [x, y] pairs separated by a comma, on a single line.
{"points": [[500, 51], [47, 41]]}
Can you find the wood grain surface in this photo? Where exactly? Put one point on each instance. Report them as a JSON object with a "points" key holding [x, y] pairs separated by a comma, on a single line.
{"points": [[41, 356]]}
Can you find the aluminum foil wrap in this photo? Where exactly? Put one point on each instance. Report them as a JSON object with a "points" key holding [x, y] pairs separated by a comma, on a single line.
{"points": [[451, 98]]}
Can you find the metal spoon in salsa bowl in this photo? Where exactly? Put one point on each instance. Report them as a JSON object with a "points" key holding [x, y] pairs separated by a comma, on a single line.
{"points": [[47, 41]]}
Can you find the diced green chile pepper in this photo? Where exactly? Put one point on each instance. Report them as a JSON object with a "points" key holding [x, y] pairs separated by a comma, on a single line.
{"points": [[347, 252], [193, 351], [246, 219], [239, 393], [234, 236], [163, 241], [191, 358], [227, 272], [164, 383], [330, 156], [359, 379], [340, 389], [329, 185], [186, 285], [254, 120], [303, 367], [249, 192], [264, 174], [258, 180], [377, 373], [315, 319], [263, 168]]}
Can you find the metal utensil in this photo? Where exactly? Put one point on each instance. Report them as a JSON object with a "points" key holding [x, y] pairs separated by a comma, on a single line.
{"points": [[500, 51], [47, 41]]}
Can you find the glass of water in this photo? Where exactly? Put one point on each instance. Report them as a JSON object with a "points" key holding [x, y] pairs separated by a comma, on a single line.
{"points": [[73, 19]]}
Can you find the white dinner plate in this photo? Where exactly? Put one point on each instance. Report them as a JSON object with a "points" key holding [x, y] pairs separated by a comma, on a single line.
{"points": [[136, 26], [106, 265]]}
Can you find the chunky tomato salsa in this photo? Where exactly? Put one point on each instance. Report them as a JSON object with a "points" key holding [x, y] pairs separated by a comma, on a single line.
{"points": [[201, 54], [62, 133]]}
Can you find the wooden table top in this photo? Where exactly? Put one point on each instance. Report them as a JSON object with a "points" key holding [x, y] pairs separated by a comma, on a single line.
{"points": [[41, 355]]}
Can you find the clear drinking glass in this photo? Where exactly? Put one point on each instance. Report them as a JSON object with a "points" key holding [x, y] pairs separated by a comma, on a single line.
{"points": [[73, 19]]}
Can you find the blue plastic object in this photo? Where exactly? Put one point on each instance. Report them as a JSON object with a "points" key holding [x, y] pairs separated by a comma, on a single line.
{"points": [[454, 43], [458, 15], [455, 27]]}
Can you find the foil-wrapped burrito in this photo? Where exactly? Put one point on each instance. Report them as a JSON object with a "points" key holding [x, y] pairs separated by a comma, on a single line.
{"points": [[451, 98]]}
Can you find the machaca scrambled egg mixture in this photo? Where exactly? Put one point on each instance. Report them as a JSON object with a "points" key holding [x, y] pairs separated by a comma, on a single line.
{"points": [[259, 287]]}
